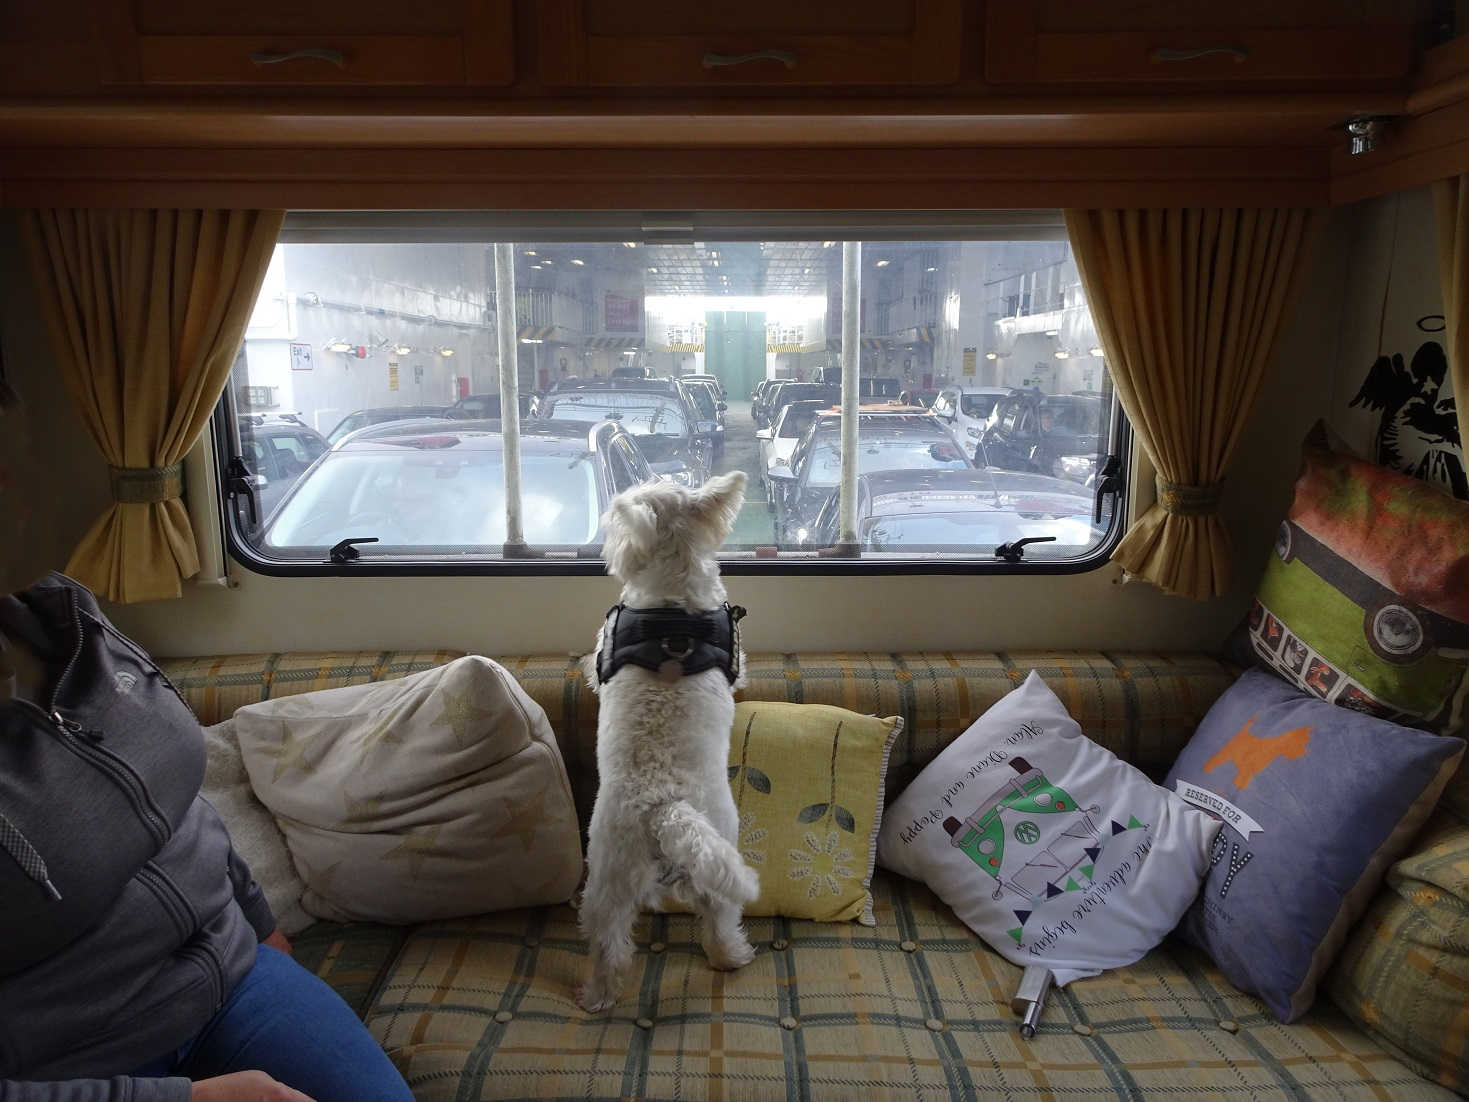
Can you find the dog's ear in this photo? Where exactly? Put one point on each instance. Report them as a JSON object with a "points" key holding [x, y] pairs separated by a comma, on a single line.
{"points": [[631, 535], [718, 502]]}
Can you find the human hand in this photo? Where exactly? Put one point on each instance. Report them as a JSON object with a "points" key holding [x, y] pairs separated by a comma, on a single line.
{"points": [[278, 940], [244, 1086]]}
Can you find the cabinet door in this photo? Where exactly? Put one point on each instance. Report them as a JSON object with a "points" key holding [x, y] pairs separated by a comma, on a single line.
{"points": [[663, 43], [326, 43], [1364, 43]]}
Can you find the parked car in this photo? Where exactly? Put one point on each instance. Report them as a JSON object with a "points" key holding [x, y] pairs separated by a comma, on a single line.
{"points": [[632, 373], [423, 484], [380, 415], [1052, 434], [778, 441], [788, 390], [967, 411], [958, 511], [702, 377], [922, 398], [478, 407], [277, 449], [660, 414], [711, 405], [885, 441]]}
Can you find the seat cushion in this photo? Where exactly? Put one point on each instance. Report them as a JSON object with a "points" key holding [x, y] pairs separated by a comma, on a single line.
{"points": [[916, 1008]]}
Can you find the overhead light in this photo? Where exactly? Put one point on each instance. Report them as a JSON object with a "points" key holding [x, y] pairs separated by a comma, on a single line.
{"points": [[883, 263], [930, 269], [827, 244], [446, 351], [339, 345], [1095, 352], [531, 340], [1062, 354], [629, 244], [578, 261], [990, 356], [547, 260], [631, 352], [1052, 332], [536, 268], [653, 270], [403, 349], [531, 252]]}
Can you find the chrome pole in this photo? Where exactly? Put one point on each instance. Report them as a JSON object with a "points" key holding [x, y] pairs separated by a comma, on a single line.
{"points": [[851, 360], [509, 396]]}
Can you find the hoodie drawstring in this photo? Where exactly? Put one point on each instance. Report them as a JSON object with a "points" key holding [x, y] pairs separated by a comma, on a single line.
{"points": [[26, 857]]}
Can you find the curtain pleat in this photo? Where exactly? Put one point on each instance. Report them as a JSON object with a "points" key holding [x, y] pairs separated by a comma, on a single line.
{"points": [[1451, 202], [1188, 304], [146, 310]]}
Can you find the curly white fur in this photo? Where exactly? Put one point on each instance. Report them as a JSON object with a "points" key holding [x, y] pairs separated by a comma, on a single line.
{"points": [[664, 822]]}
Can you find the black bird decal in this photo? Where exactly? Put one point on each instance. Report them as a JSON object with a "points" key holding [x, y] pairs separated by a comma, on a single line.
{"points": [[1418, 430]]}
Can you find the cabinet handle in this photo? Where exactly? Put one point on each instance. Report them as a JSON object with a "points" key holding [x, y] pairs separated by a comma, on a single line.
{"points": [[320, 53], [1164, 53], [718, 61]]}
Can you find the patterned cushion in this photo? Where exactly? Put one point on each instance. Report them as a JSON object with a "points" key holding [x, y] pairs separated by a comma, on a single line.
{"points": [[916, 1008], [1404, 973]]}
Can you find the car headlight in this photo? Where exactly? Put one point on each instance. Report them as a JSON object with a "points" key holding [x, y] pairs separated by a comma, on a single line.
{"points": [[1077, 468]]}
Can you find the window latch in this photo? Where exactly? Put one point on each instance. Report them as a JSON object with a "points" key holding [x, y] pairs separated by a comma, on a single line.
{"points": [[1015, 552], [344, 552], [238, 481], [1109, 481]]}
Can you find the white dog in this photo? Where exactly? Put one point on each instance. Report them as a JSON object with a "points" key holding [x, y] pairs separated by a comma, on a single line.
{"points": [[664, 820]]}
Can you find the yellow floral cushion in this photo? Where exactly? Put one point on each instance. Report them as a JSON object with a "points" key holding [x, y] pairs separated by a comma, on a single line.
{"points": [[808, 782]]}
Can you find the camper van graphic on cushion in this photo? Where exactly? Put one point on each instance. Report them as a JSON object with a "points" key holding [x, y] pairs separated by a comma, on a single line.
{"points": [[1046, 844], [1037, 860]]}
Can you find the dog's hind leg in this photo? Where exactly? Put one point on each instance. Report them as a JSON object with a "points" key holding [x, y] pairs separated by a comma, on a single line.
{"points": [[721, 934], [607, 917]]}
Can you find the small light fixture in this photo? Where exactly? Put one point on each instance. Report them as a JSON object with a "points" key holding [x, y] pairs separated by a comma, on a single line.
{"points": [[1062, 354], [403, 349], [653, 270], [531, 340], [578, 261], [446, 351], [930, 269], [827, 244], [1364, 131], [531, 252], [991, 356], [1095, 352], [883, 263], [1052, 332], [338, 345], [629, 244]]}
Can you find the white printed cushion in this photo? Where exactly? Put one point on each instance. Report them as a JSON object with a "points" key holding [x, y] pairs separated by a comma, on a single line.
{"points": [[436, 795], [1047, 845]]}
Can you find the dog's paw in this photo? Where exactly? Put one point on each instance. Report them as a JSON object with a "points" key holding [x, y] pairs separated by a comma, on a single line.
{"points": [[726, 958], [595, 998]]}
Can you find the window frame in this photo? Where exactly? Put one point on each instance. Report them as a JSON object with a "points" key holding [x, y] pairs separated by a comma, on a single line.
{"points": [[387, 227]]}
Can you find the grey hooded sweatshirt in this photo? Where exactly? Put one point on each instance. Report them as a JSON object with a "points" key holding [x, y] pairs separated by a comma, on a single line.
{"points": [[126, 918]]}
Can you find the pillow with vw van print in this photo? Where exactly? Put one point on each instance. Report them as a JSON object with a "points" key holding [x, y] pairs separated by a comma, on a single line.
{"points": [[1316, 802], [1047, 845], [1365, 601]]}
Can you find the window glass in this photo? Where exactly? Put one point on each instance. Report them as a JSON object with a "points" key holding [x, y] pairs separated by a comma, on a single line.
{"points": [[356, 339]]}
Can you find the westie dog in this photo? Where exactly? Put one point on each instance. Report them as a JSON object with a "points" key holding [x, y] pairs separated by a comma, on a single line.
{"points": [[664, 822]]}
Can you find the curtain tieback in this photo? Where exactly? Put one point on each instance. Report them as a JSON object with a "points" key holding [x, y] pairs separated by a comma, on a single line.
{"points": [[147, 485], [1183, 500]]}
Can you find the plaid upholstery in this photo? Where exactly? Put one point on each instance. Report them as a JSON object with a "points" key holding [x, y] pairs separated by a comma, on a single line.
{"points": [[1404, 972], [916, 1008]]}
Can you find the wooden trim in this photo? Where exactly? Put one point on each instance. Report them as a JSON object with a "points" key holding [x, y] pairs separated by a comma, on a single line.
{"points": [[654, 179]]}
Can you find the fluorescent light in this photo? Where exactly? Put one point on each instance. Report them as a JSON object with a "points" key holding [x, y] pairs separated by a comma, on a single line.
{"points": [[990, 356], [827, 244], [339, 345], [653, 270], [1062, 354], [930, 269], [446, 351], [629, 244], [403, 350], [578, 261], [531, 340], [1096, 352], [883, 263], [530, 252]]}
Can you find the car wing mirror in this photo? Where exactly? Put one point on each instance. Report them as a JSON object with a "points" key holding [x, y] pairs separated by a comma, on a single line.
{"points": [[781, 472], [764, 434]]}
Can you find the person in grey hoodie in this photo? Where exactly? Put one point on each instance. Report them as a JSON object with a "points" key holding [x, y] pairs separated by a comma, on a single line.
{"points": [[139, 961]]}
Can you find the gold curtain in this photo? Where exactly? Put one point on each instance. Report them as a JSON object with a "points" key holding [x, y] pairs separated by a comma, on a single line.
{"points": [[1188, 304], [146, 310], [1451, 201]]}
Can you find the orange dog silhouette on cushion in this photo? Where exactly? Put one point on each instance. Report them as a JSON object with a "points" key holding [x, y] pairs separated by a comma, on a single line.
{"points": [[1252, 754]]}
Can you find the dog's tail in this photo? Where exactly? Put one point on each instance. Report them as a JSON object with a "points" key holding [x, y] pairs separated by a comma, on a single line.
{"points": [[714, 867]]}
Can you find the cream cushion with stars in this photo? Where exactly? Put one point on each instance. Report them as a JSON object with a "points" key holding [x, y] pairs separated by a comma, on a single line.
{"points": [[437, 795]]}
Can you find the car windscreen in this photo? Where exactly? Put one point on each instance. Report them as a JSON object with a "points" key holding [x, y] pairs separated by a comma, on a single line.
{"points": [[978, 405], [440, 498], [1081, 417], [905, 453], [703, 402], [795, 421], [640, 414], [980, 531]]}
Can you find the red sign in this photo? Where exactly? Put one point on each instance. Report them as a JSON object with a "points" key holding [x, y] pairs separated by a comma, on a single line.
{"points": [[622, 314]]}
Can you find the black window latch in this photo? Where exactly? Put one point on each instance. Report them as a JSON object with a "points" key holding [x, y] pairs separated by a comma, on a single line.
{"points": [[238, 480], [345, 552], [1109, 481], [1015, 552]]}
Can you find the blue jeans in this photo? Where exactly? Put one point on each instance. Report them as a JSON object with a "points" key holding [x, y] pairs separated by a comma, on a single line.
{"points": [[286, 1022]]}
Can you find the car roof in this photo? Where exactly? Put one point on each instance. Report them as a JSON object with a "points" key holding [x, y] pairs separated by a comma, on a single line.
{"points": [[916, 423], [966, 489], [647, 386], [537, 437]]}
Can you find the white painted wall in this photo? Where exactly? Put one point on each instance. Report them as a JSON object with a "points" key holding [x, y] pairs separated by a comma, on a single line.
{"points": [[53, 495]]}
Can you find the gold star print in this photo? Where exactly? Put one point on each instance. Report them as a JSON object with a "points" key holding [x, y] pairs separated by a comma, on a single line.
{"points": [[290, 752], [524, 817], [462, 716], [362, 809], [321, 879], [388, 730], [417, 848]]}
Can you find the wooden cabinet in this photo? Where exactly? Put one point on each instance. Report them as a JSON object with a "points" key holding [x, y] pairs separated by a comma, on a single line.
{"points": [[755, 43], [1241, 43], [325, 43]]}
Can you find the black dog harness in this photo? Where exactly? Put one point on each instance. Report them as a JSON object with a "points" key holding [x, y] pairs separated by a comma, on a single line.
{"points": [[671, 642]]}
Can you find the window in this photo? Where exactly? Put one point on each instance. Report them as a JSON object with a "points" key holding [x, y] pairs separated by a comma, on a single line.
{"points": [[639, 358]]}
